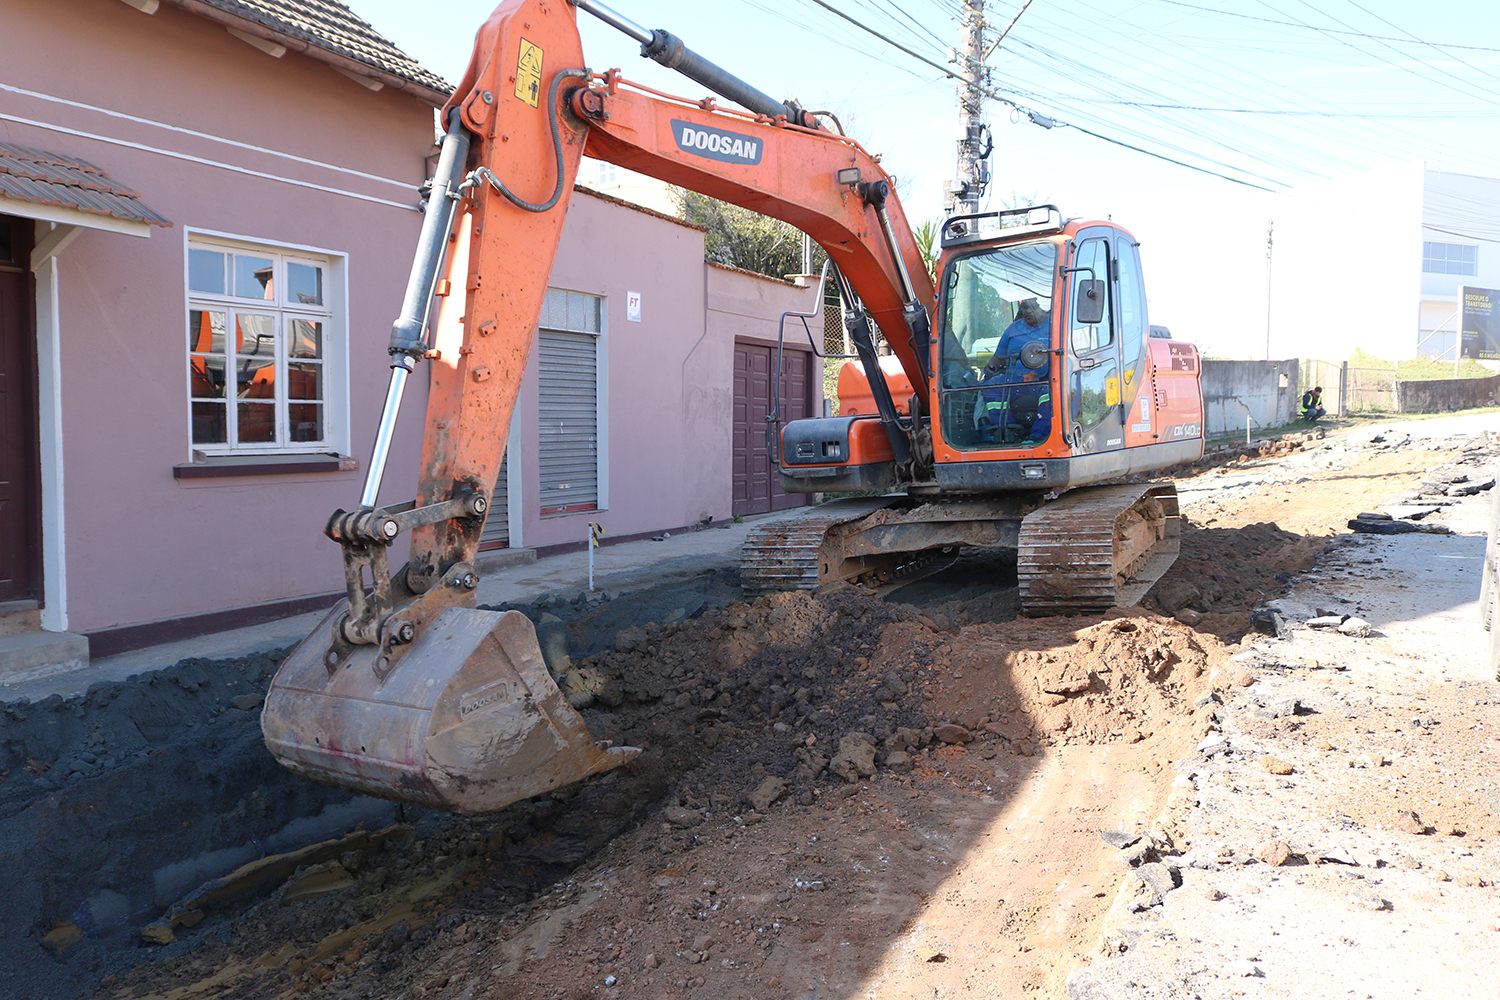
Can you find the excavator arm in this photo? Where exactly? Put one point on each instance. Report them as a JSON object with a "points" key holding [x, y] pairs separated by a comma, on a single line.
{"points": [[406, 690]]}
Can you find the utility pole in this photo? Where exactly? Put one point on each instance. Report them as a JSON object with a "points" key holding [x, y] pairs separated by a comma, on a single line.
{"points": [[1270, 229], [973, 174]]}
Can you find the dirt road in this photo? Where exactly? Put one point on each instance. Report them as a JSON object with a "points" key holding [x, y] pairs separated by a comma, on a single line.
{"points": [[851, 794]]}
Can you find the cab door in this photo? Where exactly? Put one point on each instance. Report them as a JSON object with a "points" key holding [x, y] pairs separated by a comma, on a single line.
{"points": [[1095, 383]]}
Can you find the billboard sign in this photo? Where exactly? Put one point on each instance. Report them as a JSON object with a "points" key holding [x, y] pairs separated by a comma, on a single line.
{"points": [[1481, 321]]}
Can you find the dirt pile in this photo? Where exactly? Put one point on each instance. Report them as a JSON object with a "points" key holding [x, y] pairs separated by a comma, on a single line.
{"points": [[766, 728]]}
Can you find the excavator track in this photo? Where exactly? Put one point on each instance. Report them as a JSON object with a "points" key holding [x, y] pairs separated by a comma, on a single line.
{"points": [[1097, 548], [783, 554]]}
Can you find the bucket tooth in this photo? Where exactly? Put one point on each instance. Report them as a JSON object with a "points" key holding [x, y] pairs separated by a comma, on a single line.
{"points": [[468, 721]]}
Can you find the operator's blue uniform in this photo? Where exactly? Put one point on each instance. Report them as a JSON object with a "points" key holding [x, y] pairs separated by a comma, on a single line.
{"points": [[1017, 396]]}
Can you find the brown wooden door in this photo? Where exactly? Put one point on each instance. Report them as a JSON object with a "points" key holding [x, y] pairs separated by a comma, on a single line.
{"points": [[756, 487], [20, 499]]}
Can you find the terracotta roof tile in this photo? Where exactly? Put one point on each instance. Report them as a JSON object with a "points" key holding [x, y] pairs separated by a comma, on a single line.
{"points": [[330, 25], [42, 178]]}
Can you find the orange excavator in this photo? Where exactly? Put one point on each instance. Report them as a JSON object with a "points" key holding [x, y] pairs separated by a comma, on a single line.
{"points": [[1001, 401]]}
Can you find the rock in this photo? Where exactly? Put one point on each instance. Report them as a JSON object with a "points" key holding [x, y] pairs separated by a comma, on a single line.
{"points": [[650, 961], [246, 702], [1283, 708], [1175, 595], [1408, 821], [1213, 895], [1158, 878], [1372, 516], [1367, 898], [1470, 488], [703, 942], [1357, 628], [898, 761], [1142, 852], [765, 793], [1212, 745], [952, 733], [62, 937], [1397, 528], [1325, 621], [680, 817], [1275, 765], [855, 758], [1188, 616], [1274, 853], [1119, 839], [1268, 622], [583, 686], [1242, 678], [151, 934]]}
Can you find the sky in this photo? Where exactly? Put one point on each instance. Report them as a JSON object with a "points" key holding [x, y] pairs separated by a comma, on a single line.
{"points": [[1251, 98]]}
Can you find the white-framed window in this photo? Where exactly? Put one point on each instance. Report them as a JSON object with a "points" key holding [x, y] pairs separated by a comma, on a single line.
{"points": [[265, 358], [1449, 258], [571, 433]]}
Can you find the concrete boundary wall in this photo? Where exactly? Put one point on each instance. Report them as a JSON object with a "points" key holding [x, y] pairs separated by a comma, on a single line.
{"points": [[1442, 395], [1265, 391]]}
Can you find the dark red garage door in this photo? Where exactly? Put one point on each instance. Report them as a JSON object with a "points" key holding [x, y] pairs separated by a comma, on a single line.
{"points": [[756, 488], [20, 528]]}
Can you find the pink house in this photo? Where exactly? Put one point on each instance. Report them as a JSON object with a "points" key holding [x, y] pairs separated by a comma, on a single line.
{"points": [[207, 214]]}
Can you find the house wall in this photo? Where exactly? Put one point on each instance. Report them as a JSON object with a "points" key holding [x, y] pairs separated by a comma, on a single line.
{"points": [[1347, 266], [142, 545], [667, 410]]}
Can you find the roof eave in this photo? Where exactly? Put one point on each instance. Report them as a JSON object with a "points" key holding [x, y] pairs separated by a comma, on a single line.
{"points": [[339, 62]]}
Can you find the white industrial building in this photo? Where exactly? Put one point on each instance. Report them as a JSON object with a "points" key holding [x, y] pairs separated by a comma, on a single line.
{"points": [[1375, 261]]}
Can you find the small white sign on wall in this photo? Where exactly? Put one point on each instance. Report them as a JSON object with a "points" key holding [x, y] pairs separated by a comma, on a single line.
{"points": [[633, 306]]}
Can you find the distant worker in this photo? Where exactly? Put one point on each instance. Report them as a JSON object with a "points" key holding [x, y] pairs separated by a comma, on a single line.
{"points": [[1018, 405], [1312, 405]]}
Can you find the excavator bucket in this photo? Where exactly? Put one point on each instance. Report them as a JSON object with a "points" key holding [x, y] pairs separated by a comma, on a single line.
{"points": [[473, 739]]}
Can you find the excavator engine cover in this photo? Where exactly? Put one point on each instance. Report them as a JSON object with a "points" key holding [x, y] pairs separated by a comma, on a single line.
{"points": [[473, 739]]}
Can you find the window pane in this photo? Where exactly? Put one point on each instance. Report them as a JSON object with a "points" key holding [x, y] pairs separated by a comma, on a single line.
{"points": [[206, 372], [307, 421], [252, 277], [208, 424], [555, 310], [304, 284], [255, 337], [306, 339], [206, 330], [257, 383], [206, 271], [257, 423], [304, 381]]}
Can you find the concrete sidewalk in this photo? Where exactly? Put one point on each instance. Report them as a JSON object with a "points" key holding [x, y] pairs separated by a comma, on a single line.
{"points": [[618, 568]]}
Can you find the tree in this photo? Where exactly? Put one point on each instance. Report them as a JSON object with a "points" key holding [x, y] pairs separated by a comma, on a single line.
{"points": [[742, 238], [927, 242]]}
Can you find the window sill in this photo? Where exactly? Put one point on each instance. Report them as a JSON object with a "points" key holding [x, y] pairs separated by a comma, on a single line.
{"points": [[223, 466]]}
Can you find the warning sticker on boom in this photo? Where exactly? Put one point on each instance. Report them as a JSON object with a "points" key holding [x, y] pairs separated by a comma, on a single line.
{"points": [[529, 73]]}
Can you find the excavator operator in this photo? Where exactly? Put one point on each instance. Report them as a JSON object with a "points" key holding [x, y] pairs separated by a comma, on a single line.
{"points": [[1016, 398]]}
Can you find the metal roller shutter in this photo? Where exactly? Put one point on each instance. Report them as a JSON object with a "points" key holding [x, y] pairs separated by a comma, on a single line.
{"points": [[496, 534], [568, 436]]}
